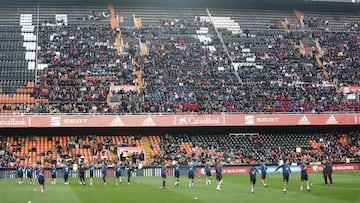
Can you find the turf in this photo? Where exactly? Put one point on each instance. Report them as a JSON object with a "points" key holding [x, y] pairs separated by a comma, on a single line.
{"points": [[236, 188]]}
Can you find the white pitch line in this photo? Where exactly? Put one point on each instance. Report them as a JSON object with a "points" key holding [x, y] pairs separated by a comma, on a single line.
{"points": [[313, 185], [323, 186]]}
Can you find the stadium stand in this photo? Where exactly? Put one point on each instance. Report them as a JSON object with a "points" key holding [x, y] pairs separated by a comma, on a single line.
{"points": [[204, 61], [238, 149], [150, 60]]}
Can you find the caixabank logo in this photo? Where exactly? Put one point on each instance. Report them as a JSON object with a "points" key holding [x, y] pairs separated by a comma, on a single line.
{"points": [[198, 121]]}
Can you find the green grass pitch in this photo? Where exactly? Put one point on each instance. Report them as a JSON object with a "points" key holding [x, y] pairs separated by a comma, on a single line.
{"points": [[236, 188]]}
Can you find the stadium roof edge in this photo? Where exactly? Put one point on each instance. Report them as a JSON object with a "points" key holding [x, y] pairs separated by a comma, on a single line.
{"points": [[235, 4]]}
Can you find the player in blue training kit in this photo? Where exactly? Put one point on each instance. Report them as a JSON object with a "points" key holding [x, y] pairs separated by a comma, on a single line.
{"points": [[91, 170], [263, 169], [20, 173], [104, 171], [41, 178], [29, 173], [177, 173], [252, 174], [286, 173], [66, 171], [304, 176], [82, 170], [163, 175], [208, 173], [219, 172], [53, 174], [118, 174], [130, 170], [191, 173]]}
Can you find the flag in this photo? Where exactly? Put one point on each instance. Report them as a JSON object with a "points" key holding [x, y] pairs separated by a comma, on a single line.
{"points": [[298, 13], [302, 48], [285, 26], [318, 47]]}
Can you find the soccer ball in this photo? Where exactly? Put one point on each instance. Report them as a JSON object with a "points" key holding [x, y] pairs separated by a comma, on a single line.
{"points": [[34, 189]]}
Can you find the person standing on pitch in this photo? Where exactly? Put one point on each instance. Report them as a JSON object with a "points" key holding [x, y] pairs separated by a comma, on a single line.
{"points": [[304, 176], [130, 170], [20, 172], [208, 173], [118, 174], [91, 171], [286, 174], [252, 174], [327, 172], [177, 173], [219, 174], [191, 173], [163, 175], [41, 178], [263, 169], [29, 173], [53, 174], [82, 169], [66, 171], [104, 171]]}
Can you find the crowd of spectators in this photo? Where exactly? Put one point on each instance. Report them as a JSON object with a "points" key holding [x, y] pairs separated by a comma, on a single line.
{"points": [[182, 74], [254, 149], [234, 149]]}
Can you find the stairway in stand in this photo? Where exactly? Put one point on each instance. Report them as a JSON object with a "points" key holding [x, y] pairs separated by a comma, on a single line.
{"points": [[147, 148]]}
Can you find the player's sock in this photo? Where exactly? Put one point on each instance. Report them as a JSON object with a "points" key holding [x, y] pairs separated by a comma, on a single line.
{"points": [[252, 190], [301, 188]]}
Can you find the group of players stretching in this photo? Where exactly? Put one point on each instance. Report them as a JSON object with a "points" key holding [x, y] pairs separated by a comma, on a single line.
{"points": [[191, 172], [39, 172]]}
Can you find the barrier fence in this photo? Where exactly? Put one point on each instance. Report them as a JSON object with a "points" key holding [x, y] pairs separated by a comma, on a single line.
{"points": [[10, 173]]}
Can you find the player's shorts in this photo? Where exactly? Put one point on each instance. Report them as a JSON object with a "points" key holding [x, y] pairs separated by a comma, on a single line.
{"points": [[177, 174], [82, 175], [286, 178], [103, 174], [41, 181], [304, 177], [29, 175], [21, 175], [66, 176], [208, 173], [191, 176], [163, 176], [253, 180], [263, 175], [53, 175], [218, 177], [91, 174], [118, 175]]}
